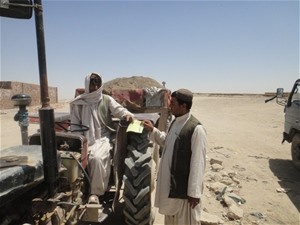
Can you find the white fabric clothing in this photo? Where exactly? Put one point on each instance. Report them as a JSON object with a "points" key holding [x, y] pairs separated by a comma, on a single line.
{"points": [[173, 206], [84, 111], [99, 165], [184, 216]]}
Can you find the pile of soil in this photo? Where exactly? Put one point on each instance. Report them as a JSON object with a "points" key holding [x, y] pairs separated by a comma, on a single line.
{"points": [[131, 83]]}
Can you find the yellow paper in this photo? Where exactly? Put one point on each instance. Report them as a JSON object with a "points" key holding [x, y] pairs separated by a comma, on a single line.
{"points": [[136, 127]]}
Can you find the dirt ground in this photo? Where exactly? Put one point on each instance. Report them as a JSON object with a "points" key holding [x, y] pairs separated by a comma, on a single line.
{"points": [[244, 136]]}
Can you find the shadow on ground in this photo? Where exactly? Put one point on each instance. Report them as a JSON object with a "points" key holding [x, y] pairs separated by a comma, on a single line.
{"points": [[288, 178]]}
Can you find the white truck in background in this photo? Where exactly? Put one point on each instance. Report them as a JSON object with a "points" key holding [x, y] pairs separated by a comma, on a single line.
{"points": [[291, 132]]}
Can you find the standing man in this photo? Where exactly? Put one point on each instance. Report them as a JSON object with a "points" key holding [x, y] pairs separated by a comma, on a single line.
{"points": [[181, 171], [94, 110]]}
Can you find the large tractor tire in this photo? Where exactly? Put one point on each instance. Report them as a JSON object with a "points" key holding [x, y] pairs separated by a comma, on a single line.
{"points": [[295, 150], [138, 180]]}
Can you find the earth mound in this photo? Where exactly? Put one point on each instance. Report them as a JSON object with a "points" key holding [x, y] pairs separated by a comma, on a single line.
{"points": [[132, 83]]}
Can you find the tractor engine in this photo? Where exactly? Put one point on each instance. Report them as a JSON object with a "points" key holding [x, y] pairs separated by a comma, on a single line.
{"points": [[73, 184], [65, 206]]}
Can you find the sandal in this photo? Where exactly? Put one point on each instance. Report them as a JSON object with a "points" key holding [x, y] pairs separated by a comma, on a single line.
{"points": [[93, 199]]}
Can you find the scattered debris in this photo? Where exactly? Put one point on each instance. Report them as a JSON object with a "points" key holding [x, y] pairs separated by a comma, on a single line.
{"points": [[215, 161], [235, 212], [283, 190], [220, 194], [238, 200], [216, 167], [257, 215], [210, 219], [258, 157]]}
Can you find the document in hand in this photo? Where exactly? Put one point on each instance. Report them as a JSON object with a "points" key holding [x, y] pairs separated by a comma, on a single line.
{"points": [[136, 127]]}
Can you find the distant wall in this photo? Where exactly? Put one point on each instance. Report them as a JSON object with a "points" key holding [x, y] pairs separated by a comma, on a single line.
{"points": [[11, 88]]}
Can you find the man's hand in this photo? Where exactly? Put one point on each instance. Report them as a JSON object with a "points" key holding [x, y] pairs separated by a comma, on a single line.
{"points": [[193, 201], [148, 125], [129, 118]]}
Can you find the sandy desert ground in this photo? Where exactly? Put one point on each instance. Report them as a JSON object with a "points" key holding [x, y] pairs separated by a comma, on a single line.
{"points": [[244, 137]]}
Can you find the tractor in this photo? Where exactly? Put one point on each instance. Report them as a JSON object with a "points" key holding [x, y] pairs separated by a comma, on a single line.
{"points": [[45, 181]]}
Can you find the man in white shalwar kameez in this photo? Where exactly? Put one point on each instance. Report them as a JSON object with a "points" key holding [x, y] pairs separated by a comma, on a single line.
{"points": [[87, 110], [181, 206]]}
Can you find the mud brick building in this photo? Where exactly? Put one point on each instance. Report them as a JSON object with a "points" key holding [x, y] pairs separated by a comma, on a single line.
{"points": [[11, 88]]}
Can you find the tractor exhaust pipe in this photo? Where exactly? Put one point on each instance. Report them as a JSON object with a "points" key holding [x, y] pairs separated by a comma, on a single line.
{"points": [[46, 113]]}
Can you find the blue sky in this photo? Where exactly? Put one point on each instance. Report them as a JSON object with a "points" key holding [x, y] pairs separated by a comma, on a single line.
{"points": [[205, 46]]}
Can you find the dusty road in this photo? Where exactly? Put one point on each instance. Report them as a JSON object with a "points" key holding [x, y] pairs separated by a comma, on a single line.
{"points": [[244, 134]]}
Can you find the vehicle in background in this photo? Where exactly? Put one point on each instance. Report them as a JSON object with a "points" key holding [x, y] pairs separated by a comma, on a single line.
{"points": [[291, 132]]}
